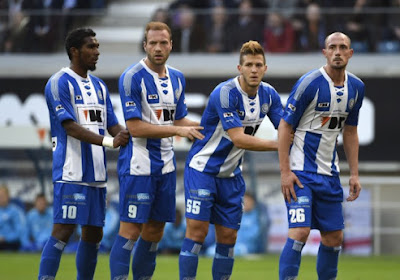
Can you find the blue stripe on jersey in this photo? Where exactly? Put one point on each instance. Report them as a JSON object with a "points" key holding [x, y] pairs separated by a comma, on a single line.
{"points": [[219, 156], [310, 151], [87, 164], [156, 165], [333, 166]]}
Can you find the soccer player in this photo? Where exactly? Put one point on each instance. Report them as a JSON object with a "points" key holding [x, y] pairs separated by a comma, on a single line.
{"points": [[214, 186], [322, 103], [153, 101], [80, 113]]}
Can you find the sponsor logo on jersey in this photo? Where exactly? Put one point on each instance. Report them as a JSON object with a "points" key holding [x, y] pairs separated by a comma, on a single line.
{"points": [[228, 114], [153, 96], [79, 197], [323, 105], [143, 196], [59, 107], [265, 108], [130, 104], [291, 107], [203, 193], [324, 120], [351, 103]]}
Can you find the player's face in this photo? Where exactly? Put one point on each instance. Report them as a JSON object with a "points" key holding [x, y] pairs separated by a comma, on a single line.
{"points": [[252, 70], [337, 51], [89, 54], [158, 46]]}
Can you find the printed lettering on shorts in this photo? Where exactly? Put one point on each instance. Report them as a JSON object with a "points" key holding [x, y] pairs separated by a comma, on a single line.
{"points": [[134, 201], [297, 210]]}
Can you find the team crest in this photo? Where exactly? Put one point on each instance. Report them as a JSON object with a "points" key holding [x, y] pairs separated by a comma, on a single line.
{"points": [[351, 103], [100, 95], [265, 108]]}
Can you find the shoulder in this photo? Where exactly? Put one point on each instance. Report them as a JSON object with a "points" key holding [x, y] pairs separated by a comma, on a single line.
{"points": [[223, 90], [307, 82], [132, 70], [57, 77], [268, 89], [175, 72], [98, 80], [355, 80]]}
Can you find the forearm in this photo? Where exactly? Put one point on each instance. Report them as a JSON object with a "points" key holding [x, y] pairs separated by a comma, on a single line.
{"points": [[186, 122], [351, 148], [79, 132], [114, 130], [140, 129], [284, 142], [249, 142]]}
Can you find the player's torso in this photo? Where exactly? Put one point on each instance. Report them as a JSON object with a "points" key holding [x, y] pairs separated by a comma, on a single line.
{"points": [[217, 154]]}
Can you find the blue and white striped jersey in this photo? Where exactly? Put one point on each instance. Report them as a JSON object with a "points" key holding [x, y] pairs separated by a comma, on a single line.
{"points": [[155, 100], [318, 110], [87, 102], [228, 107]]}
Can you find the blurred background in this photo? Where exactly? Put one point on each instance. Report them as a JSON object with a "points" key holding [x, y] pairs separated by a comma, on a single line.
{"points": [[207, 36]]}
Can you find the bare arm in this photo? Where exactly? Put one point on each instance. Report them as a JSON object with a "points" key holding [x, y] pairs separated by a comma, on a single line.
{"points": [[186, 122], [77, 131], [248, 142], [288, 178], [140, 129], [351, 146]]}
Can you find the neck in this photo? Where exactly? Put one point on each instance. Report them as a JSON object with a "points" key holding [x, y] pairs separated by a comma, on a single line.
{"points": [[251, 91], [78, 70], [159, 69], [337, 75]]}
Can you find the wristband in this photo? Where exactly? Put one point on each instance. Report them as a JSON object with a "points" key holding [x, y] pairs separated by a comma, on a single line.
{"points": [[108, 142]]}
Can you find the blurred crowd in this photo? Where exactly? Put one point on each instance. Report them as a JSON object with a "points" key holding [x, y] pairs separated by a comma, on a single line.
{"points": [[283, 26], [41, 25], [216, 26], [27, 227]]}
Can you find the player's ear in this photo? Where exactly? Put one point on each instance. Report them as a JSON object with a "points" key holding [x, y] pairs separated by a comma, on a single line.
{"points": [[74, 51]]}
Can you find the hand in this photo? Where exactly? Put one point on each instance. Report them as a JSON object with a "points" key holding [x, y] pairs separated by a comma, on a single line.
{"points": [[291, 137], [190, 132], [288, 179], [355, 188], [121, 139]]}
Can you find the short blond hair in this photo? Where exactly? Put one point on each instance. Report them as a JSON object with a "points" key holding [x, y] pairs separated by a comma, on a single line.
{"points": [[251, 47], [157, 25]]}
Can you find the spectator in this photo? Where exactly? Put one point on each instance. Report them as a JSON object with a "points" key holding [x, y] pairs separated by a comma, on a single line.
{"points": [[390, 41], [278, 34], [44, 24], [174, 233], [244, 28], [251, 228], [313, 35], [39, 225], [12, 222], [217, 37], [189, 35]]}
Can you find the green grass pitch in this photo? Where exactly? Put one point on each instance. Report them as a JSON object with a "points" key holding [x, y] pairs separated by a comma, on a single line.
{"points": [[25, 266]]}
